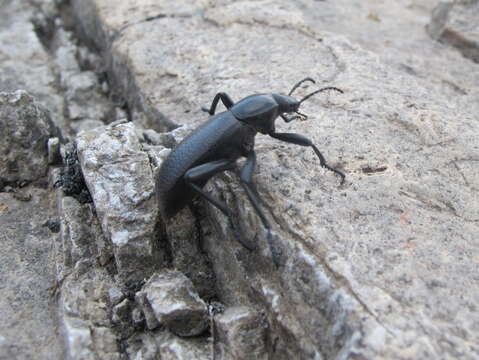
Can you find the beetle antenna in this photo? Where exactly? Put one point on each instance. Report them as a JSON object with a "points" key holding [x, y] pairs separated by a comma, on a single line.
{"points": [[299, 83], [321, 90]]}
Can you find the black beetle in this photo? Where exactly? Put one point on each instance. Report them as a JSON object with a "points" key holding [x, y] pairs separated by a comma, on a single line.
{"points": [[216, 145]]}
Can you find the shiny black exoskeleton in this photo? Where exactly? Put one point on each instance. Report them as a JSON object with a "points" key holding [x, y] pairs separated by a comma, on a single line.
{"points": [[216, 145]]}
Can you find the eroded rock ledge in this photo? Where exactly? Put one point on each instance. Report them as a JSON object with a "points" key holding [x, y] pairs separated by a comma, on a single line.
{"points": [[381, 267]]}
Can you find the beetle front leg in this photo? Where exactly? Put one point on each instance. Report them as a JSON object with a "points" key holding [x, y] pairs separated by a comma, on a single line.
{"points": [[204, 172], [225, 99], [303, 141], [246, 178], [288, 119]]}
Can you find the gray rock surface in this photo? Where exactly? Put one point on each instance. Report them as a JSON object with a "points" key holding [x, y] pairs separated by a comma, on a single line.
{"points": [[176, 304], [25, 129], [118, 175], [382, 267], [456, 24], [240, 333], [25, 62], [188, 256], [164, 345], [359, 260], [28, 329], [86, 288]]}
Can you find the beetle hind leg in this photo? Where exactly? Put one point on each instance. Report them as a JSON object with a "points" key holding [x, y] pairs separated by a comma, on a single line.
{"points": [[203, 172]]}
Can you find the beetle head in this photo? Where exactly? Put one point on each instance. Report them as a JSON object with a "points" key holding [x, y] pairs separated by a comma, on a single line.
{"points": [[288, 104]]}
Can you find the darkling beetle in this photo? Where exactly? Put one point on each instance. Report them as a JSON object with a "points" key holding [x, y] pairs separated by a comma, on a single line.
{"points": [[216, 145]]}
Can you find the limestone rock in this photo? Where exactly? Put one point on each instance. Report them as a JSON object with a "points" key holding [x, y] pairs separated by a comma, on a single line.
{"points": [[25, 62], [28, 329], [152, 345], [456, 24], [188, 256], [119, 177], [357, 259], [174, 348], [240, 333], [176, 304], [25, 129]]}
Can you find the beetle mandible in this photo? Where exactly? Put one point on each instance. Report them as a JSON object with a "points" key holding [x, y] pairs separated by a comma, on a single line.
{"points": [[216, 145]]}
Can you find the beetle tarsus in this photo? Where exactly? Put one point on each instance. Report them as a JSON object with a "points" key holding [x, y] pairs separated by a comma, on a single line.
{"points": [[322, 162], [288, 119], [304, 141]]}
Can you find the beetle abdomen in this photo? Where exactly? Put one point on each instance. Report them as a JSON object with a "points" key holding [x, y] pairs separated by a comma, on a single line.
{"points": [[199, 147]]}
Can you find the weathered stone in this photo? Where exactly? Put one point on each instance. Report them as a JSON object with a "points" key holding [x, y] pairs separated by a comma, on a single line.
{"points": [[174, 348], [105, 344], [152, 345], [83, 241], [439, 19], [25, 129], [77, 334], [115, 295], [184, 238], [29, 316], [456, 24], [240, 333], [85, 297], [325, 300], [25, 63], [175, 303], [119, 177], [54, 156], [85, 315], [122, 312], [137, 317], [359, 264], [84, 98], [150, 317]]}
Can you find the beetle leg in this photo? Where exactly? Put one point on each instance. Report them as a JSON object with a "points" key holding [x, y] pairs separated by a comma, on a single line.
{"points": [[204, 172], [225, 99], [303, 141], [246, 177], [288, 119]]}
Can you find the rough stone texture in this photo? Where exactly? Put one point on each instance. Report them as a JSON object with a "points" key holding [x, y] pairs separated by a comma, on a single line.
{"points": [[27, 66], [85, 283], [456, 24], [85, 319], [164, 345], [83, 97], [439, 18], [118, 175], [382, 267], [184, 238], [28, 329], [25, 129], [83, 241], [240, 333], [175, 303]]}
